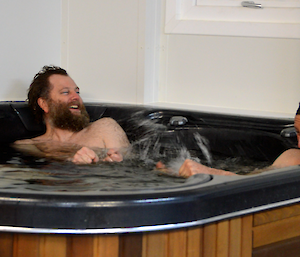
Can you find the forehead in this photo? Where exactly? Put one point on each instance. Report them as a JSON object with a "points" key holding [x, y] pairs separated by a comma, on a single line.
{"points": [[60, 81]]}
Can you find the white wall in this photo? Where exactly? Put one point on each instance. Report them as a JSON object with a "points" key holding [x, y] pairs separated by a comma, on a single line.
{"points": [[244, 75], [103, 48], [107, 46], [30, 36], [232, 74]]}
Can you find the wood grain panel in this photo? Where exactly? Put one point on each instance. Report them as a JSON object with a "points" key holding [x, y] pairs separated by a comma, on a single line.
{"points": [[223, 239], [177, 245], [247, 223], [26, 245], [235, 237], [286, 248], [6, 244], [276, 231], [210, 240], [53, 246], [276, 214], [130, 245], [195, 242], [155, 244], [78, 246], [106, 245]]}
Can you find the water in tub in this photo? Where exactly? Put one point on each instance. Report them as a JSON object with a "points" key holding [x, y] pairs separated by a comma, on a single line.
{"points": [[18, 170]]}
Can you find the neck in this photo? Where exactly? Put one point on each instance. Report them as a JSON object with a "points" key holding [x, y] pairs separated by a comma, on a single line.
{"points": [[57, 134]]}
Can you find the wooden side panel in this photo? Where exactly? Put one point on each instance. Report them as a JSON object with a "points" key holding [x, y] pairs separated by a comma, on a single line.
{"points": [[53, 246], [228, 238], [276, 231], [210, 240], [78, 246], [195, 242], [286, 248], [107, 245], [130, 245], [223, 239], [276, 214], [155, 244], [235, 235], [6, 244], [177, 246], [247, 224], [26, 245]]}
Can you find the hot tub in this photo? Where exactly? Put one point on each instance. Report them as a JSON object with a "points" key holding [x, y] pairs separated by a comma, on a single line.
{"points": [[152, 213]]}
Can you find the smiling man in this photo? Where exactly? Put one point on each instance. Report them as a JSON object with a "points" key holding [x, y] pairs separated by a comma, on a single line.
{"points": [[54, 98]]}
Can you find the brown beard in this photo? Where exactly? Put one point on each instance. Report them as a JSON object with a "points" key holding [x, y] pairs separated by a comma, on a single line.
{"points": [[61, 116]]}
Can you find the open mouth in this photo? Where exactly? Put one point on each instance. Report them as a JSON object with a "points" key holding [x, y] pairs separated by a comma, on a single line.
{"points": [[74, 108]]}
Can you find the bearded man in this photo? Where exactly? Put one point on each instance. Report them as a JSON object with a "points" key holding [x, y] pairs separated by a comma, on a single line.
{"points": [[54, 98]]}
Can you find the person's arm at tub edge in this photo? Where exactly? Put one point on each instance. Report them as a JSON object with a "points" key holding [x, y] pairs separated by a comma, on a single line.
{"points": [[288, 158], [190, 167]]}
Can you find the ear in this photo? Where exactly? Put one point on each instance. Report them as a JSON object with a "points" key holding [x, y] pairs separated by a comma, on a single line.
{"points": [[43, 104]]}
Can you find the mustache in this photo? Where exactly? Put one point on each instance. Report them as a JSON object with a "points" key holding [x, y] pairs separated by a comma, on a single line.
{"points": [[75, 102]]}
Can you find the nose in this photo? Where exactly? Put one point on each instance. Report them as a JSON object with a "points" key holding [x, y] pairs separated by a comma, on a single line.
{"points": [[75, 96]]}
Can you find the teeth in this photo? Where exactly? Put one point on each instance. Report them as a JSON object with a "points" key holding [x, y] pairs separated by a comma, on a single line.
{"points": [[74, 106]]}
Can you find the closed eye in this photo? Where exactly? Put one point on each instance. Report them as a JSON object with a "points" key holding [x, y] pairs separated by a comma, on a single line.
{"points": [[65, 92]]}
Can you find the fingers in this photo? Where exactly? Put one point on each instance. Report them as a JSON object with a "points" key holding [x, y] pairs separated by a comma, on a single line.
{"points": [[85, 156], [160, 165], [113, 156], [162, 168]]}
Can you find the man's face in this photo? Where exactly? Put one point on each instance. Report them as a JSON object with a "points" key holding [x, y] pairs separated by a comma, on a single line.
{"points": [[65, 107], [297, 127]]}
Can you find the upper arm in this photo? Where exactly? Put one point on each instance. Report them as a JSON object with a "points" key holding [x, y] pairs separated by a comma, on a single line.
{"points": [[28, 149], [113, 134]]}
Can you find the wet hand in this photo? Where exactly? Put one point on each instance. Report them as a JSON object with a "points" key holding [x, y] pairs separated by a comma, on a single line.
{"points": [[113, 156], [85, 155]]}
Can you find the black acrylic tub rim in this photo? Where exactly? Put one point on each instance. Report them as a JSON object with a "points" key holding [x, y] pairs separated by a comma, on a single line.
{"points": [[224, 198], [150, 210]]}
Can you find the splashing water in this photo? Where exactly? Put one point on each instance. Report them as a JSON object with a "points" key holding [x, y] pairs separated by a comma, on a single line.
{"points": [[203, 145], [157, 143]]}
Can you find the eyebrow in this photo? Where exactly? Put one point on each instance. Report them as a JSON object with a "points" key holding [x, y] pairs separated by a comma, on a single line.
{"points": [[76, 88]]}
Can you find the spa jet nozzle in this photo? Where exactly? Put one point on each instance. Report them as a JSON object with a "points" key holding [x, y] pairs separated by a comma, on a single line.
{"points": [[288, 132], [178, 121]]}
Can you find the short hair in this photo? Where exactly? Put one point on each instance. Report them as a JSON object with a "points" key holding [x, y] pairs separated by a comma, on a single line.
{"points": [[40, 87]]}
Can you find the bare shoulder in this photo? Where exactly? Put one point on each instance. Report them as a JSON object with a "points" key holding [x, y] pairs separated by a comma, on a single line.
{"points": [[111, 133], [106, 125], [105, 122], [288, 158]]}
